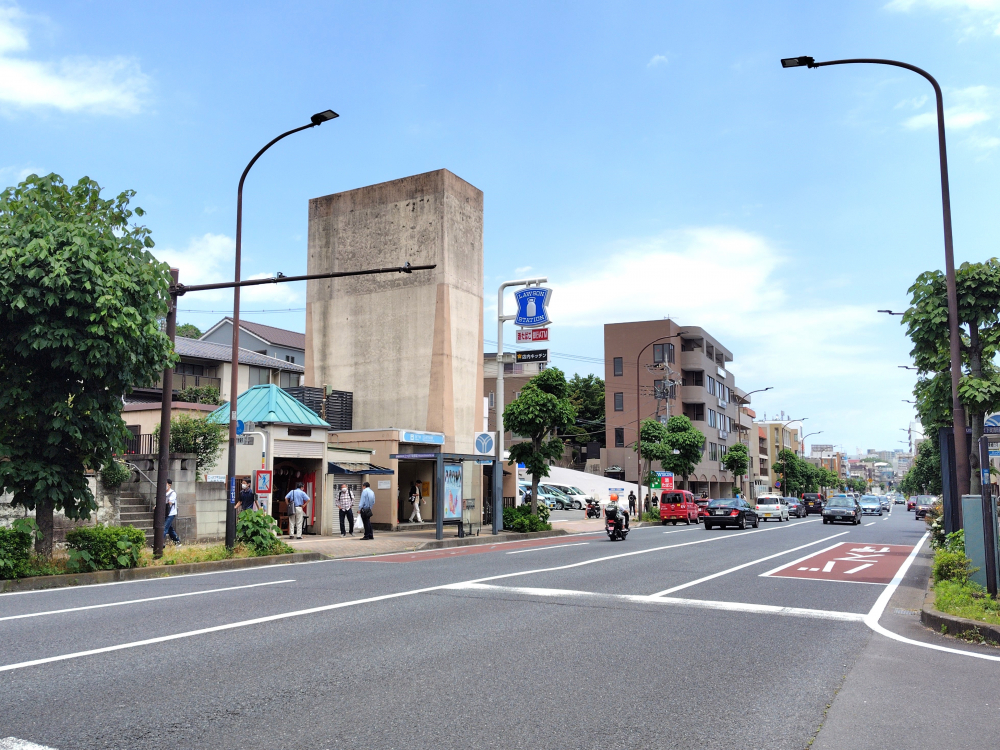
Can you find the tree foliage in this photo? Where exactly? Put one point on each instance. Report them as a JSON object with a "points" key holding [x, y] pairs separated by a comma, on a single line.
{"points": [[689, 443], [197, 435], [652, 446], [81, 299], [586, 393], [541, 411], [737, 460], [924, 475], [189, 331]]}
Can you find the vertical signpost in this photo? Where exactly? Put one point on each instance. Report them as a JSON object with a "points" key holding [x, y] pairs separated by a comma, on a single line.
{"points": [[532, 312]]}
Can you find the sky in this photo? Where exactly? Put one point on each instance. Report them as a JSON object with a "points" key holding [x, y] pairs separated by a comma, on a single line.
{"points": [[650, 159]]}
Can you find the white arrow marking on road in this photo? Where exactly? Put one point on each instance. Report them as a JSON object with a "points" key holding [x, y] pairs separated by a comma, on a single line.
{"points": [[542, 549], [828, 567], [859, 568]]}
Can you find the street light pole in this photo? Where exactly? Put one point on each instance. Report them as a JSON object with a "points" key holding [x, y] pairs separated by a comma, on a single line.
{"points": [[784, 464], [746, 400], [954, 332], [317, 119], [638, 417]]}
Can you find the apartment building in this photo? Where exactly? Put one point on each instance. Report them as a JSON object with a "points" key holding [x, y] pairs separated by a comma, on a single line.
{"points": [[658, 369], [774, 436]]}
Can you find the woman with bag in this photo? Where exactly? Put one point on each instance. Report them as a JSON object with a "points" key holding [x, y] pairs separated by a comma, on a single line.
{"points": [[415, 499]]}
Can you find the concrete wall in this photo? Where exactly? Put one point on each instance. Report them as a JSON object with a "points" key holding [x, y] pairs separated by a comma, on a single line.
{"points": [[408, 346], [107, 510], [182, 471]]}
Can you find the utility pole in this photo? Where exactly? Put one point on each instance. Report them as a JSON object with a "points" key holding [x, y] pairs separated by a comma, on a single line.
{"points": [[166, 406]]}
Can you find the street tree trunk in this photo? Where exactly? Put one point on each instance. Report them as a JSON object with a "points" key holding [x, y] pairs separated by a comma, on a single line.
{"points": [[44, 512]]}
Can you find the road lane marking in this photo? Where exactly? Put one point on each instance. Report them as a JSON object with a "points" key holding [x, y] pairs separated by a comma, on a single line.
{"points": [[744, 565], [140, 601], [13, 743], [826, 568], [872, 523], [852, 571], [542, 549], [768, 609], [873, 616]]}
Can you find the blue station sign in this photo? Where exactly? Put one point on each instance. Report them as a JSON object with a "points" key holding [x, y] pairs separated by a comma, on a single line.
{"points": [[532, 306]]}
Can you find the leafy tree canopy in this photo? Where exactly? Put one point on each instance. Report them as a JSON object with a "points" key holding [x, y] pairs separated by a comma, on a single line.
{"points": [[81, 299], [541, 411], [737, 460], [197, 435], [586, 393], [688, 441], [189, 331]]}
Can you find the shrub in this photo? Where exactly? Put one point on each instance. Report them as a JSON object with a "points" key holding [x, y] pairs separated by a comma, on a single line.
{"points": [[966, 600], [521, 519], [651, 516], [200, 394], [114, 474], [196, 435], [952, 566], [15, 548], [103, 547], [259, 531]]}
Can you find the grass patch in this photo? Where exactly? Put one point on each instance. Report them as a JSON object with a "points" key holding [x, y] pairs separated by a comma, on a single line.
{"points": [[969, 600], [206, 553]]}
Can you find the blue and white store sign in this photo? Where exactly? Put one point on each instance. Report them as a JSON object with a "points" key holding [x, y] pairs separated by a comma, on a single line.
{"points": [[532, 306], [427, 438], [485, 444]]}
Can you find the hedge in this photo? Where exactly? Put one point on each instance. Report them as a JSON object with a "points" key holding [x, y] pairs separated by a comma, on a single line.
{"points": [[15, 552], [103, 547]]}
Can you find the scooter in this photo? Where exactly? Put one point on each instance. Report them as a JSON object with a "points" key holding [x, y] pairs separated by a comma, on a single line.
{"points": [[615, 524], [593, 509]]}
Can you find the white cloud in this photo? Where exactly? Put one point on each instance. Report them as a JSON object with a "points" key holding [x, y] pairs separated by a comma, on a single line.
{"points": [[106, 86], [657, 60], [975, 17], [209, 259], [522, 270], [17, 174], [964, 110], [733, 284]]}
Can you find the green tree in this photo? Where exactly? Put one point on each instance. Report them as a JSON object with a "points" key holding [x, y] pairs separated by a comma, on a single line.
{"points": [[586, 393], [189, 331], [924, 476], [689, 444], [794, 473], [737, 460], [978, 286], [541, 411], [81, 299], [652, 446], [200, 394], [197, 435]]}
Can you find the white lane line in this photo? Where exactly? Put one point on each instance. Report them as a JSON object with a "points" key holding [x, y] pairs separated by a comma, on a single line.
{"points": [[873, 616], [744, 565], [13, 743], [768, 609], [828, 567], [140, 601], [872, 523], [858, 569], [801, 559], [543, 549]]}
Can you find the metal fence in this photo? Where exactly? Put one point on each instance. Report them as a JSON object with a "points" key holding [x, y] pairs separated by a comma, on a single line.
{"points": [[142, 445]]}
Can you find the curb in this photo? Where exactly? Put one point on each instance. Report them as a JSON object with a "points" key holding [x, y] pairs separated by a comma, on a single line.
{"points": [[490, 539], [955, 626], [37, 583]]}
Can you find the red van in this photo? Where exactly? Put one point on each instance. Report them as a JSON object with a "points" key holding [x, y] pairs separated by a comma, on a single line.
{"points": [[678, 505]]}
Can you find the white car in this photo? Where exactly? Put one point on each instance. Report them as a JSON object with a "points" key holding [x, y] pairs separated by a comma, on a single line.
{"points": [[578, 497], [771, 506]]}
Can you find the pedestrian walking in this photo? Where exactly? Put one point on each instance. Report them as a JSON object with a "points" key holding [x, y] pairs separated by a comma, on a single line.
{"points": [[168, 526], [345, 501], [416, 498], [247, 498], [631, 502], [296, 501], [365, 506]]}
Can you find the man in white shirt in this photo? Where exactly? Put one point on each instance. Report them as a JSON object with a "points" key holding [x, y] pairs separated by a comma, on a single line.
{"points": [[345, 502], [168, 526], [296, 502]]}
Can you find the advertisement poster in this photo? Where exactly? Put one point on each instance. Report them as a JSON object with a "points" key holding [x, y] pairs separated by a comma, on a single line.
{"points": [[453, 492]]}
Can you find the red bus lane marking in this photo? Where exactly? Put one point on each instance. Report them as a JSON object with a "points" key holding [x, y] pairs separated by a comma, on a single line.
{"points": [[474, 549], [862, 563]]}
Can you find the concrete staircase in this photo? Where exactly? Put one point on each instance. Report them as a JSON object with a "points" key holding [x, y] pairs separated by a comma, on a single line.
{"points": [[135, 512]]}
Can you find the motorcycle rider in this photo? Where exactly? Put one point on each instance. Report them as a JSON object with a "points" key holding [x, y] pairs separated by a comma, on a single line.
{"points": [[613, 503]]}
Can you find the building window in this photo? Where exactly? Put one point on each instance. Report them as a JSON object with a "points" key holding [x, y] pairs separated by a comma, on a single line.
{"points": [[692, 377], [657, 353], [713, 452], [259, 376], [673, 391], [711, 385], [290, 358], [517, 395], [619, 402], [619, 437], [619, 367], [713, 418], [695, 412], [288, 379], [186, 368], [670, 353], [493, 400]]}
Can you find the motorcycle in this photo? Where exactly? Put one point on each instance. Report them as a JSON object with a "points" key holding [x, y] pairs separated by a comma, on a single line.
{"points": [[615, 524], [593, 509]]}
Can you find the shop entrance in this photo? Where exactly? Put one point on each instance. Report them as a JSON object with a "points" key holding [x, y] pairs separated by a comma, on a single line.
{"points": [[420, 473], [287, 473]]}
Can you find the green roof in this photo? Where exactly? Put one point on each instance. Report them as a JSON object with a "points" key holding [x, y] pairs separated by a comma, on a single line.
{"points": [[268, 404]]}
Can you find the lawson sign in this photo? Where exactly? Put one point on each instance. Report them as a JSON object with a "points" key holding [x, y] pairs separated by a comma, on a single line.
{"points": [[532, 306]]}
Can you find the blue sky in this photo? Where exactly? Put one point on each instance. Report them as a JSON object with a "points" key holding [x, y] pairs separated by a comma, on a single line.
{"points": [[651, 159]]}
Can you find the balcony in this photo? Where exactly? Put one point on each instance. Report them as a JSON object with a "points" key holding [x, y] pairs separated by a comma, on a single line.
{"points": [[180, 382]]}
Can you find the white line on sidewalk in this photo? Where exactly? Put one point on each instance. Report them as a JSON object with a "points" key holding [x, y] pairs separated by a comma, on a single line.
{"points": [[873, 616], [140, 601], [768, 609], [744, 565], [542, 549]]}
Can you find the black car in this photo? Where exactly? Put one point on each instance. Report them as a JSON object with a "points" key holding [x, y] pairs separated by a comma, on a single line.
{"points": [[796, 507], [813, 502], [924, 504], [730, 512], [843, 509]]}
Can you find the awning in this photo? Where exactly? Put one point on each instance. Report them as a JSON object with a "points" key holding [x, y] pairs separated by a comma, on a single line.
{"points": [[355, 467]]}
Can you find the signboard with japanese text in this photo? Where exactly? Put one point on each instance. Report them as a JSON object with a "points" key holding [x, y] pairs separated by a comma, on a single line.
{"points": [[532, 355], [532, 334]]}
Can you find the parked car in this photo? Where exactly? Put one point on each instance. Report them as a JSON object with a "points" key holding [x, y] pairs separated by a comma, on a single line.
{"points": [[813, 502], [795, 507], [560, 500], [871, 505], [544, 498], [577, 496], [924, 504], [843, 509], [731, 512], [678, 505], [771, 506]]}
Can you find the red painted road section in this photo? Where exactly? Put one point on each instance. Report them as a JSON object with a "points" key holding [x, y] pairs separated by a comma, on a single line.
{"points": [[857, 563], [475, 549]]}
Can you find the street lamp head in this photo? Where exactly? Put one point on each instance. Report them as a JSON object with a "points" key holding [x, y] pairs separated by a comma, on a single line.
{"points": [[320, 117], [798, 62]]}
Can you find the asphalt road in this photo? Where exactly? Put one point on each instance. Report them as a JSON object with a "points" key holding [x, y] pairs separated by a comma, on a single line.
{"points": [[670, 639]]}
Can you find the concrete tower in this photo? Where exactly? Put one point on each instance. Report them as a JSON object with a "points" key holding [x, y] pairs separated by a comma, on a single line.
{"points": [[408, 346]]}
